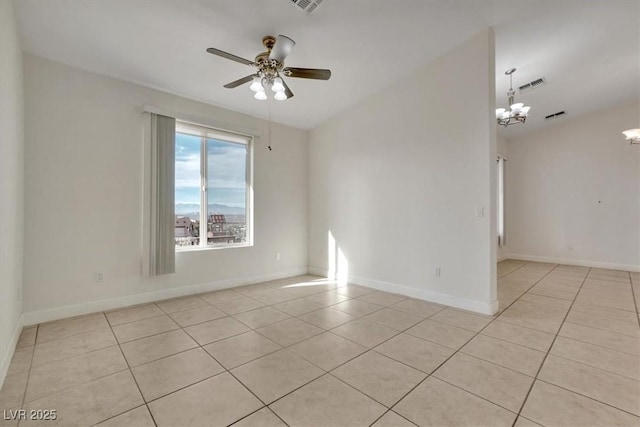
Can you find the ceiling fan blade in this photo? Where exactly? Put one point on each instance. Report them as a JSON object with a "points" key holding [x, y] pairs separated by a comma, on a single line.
{"points": [[282, 48], [227, 55], [307, 73], [287, 91], [241, 81]]}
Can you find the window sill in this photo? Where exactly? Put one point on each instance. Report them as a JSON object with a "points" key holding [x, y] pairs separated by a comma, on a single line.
{"points": [[185, 249]]}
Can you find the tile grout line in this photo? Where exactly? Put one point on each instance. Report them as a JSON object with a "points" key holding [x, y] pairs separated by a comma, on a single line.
{"points": [[26, 385], [227, 314], [458, 350], [362, 317], [155, 303], [594, 367], [596, 345], [253, 330], [76, 334], [122, 413], [228, 371], [551, 346], [515, 269], [590, 398], [368, 349], [635, 301], [232, 336], [600, 329], [155, 334], [256, 411], [132, 376], [225, 370], [201, 346], [310, 362], [324, 371], [67, 358]]}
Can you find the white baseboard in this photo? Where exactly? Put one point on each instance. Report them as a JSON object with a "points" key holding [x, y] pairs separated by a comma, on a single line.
{"points": [[35, 317], [315, 271], [450, 300], [577, 262], [11, 348], [503, 258]]}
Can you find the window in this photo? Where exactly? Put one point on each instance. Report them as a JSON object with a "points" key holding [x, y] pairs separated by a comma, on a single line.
{"points": [[501, 201], [212, 188]]}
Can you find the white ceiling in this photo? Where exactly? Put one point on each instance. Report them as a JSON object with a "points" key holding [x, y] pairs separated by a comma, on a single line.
{"points": [[589, 51]]}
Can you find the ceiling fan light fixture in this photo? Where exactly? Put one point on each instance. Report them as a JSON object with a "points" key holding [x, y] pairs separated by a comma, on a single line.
{"points": [[260, 95], [256, 85], [277, 85], [280, 95]]}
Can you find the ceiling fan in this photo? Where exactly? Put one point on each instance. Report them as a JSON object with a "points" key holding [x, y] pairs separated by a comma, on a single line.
{"points": [[271, 69]]}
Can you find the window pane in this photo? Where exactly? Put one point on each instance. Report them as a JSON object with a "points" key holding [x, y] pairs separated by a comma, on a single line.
{"points": [[226, 192], [187, 190]]}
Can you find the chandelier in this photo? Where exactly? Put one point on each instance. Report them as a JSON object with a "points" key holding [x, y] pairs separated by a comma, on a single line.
{"points": [[517, 112], [632, 135]]}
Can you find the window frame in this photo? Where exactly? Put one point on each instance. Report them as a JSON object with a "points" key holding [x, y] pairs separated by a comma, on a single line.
{"points": [[207, 132]]}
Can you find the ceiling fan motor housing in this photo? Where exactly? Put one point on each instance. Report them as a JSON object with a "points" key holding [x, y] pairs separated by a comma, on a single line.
{"points": [[269, 42]]}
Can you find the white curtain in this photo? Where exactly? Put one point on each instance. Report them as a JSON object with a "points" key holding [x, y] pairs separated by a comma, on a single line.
{"points": [[159, 185], [502, 211]]}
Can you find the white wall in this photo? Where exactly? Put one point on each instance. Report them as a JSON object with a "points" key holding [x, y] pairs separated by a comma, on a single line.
{"points": [[11, 185], [573, 191], [396, 179], [84, 144]]}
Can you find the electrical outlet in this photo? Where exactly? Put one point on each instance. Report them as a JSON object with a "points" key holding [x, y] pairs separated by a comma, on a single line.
{"points": [[99, 277], [436, 272], [479, 211], [277, 256]]}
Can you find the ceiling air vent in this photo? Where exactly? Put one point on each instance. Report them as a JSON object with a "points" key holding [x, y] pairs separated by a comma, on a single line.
{"points": [[555, 115], [307, 5], [532, 85]]}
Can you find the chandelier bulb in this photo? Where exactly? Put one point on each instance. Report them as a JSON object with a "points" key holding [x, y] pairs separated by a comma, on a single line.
{"points": [[632, 135]]}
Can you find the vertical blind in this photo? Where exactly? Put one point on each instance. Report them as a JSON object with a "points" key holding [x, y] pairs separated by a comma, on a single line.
{"points": [[160, 248]]}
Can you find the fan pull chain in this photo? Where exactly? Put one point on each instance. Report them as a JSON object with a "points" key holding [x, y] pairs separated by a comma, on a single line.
{"points": [[269, 124]]}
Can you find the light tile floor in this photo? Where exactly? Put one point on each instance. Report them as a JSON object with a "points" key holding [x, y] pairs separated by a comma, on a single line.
{"points": [[563, 350]]}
